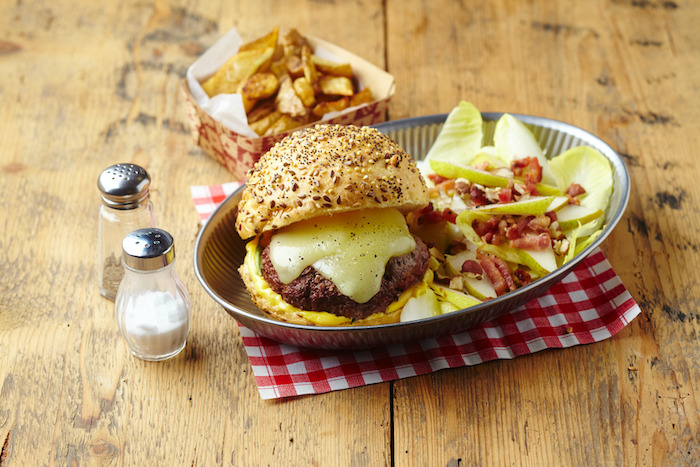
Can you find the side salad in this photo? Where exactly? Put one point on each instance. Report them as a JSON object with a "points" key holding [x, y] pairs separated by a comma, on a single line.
{"points": [[502, 214]]}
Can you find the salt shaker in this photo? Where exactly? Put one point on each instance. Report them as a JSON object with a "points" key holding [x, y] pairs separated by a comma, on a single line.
{"points": [[126, 206], [152, 305]]}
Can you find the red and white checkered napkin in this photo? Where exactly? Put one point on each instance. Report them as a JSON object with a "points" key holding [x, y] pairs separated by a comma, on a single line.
{"points": [[588, 305]]}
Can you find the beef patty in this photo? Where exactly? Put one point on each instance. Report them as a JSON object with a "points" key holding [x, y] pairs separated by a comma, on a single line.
{"points": [[313, 292]]}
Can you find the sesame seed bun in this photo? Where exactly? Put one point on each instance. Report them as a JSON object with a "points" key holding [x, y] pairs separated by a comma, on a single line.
{"points": [[328, 169]]}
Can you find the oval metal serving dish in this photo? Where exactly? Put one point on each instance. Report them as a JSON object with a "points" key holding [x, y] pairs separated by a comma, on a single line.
{"points": [[219, 250]]}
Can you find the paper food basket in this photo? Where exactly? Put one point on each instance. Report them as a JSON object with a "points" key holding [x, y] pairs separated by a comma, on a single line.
{"points": [[238, 152]]}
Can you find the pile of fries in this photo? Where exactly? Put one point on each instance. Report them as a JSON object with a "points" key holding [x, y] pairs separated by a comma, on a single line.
{"points": [[284, 85]]}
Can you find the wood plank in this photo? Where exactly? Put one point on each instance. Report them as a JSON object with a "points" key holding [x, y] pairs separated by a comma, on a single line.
{"points": [[623, 71], [87, 85], [92, 85]]}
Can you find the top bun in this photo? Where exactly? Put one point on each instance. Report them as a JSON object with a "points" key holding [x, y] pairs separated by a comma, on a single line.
{"points": [[328, 169]]}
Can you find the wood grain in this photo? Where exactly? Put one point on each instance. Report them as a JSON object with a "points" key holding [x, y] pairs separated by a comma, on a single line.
{"points": [[617, 69], [87, 84], [92, 85]]}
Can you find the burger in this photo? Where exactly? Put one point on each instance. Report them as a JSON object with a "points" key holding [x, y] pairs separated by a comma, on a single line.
{"points": [[324, 210]]}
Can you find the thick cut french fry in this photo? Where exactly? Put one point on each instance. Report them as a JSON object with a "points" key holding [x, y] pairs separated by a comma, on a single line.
{"points": [[292, 42], [310, 72], [265, 42], [260, 86], [324, 107], [294, 65], [363, 97], [331, 68], [282, 83], [284, 123], [336, 85], [287, 100], [248, 104], [262, 125], [261, 110], [279, 67], [304, 91], [236, 70]]}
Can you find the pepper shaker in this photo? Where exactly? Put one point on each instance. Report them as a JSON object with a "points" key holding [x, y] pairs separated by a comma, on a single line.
{"points": [[126, 206], [152, 305]]}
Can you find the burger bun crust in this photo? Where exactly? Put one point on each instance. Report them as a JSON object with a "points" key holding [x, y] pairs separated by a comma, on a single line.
{"points": [[328, 169]]}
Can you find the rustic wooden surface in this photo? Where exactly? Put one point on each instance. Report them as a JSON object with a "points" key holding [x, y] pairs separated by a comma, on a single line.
{"points": [[88, 84]]}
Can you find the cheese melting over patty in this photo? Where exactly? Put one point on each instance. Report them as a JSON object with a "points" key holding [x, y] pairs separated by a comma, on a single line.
{"points": [[351, 249]]}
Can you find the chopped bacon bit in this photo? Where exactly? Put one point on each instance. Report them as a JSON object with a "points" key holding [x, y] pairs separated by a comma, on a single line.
{"points": [[503, 227], [477, 196], [493, 222], [552, 216], [528, 168], [449, 215], [523, 222], [532, 188], [426, 209], [472, 266], [525, 232], [480, 227], [503, 269], [432, 217], [532, 241], [497, 240], [575, 189], [505, 195], [516, 229], [573, 192], [499, 283], [495, 230], [518, 166], [512, 233], [418, 215], [522, 277], [428, 215], [490, 226], [497, 271]]}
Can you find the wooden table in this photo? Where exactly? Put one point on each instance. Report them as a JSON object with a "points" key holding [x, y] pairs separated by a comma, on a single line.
{"points": [[87, 84]]}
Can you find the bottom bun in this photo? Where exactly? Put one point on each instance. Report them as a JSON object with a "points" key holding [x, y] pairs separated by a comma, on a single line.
{"points": [[274, 305]]}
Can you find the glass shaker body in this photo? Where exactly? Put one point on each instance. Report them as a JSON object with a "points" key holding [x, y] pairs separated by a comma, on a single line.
{"points": [[152, 304], [126, 206], [114, 225]]}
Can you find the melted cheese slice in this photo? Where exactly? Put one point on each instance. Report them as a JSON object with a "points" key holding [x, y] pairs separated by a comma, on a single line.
{"points": [[350, 249], [323, 318]]}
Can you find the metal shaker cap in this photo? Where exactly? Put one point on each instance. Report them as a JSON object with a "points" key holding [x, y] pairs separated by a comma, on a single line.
{"points": [[124, 186], [148, 249]]}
